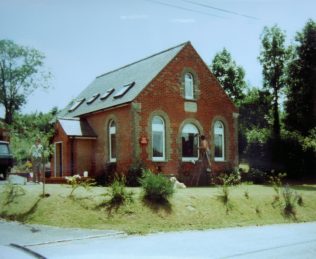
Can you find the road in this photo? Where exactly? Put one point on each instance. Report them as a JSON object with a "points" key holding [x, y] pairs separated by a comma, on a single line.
{"points": [[274, 241]]}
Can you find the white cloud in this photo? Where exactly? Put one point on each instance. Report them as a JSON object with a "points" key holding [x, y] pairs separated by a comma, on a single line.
{"points": [[134, 17]]}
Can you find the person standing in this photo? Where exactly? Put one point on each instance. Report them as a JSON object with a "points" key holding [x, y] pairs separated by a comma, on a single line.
{"points": [[36, 157], [206, 153]]}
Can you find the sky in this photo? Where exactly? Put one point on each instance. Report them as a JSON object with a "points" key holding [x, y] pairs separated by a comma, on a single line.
{"points": [[82, 39]]}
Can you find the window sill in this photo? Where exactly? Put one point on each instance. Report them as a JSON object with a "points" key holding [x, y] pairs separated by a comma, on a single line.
{"points": [[192, 160], [220, 160], [159, 160]]}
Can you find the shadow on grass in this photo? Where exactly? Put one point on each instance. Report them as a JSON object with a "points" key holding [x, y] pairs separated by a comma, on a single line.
{"points": [[21, 217], [225, 200], [289, 212], [158, 205], [111, 206]]}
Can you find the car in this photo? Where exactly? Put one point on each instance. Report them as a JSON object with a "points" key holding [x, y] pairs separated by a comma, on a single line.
{"points": [[6, 159]]}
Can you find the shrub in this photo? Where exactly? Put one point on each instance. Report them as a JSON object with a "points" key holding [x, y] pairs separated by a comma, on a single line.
{"points": [[76, 181], [108, 175], [156, 187], [255, 176], [118, 193], [224, 195], [290, 200], [298, 154], [134, 174], [276, 182], [232, 178]]}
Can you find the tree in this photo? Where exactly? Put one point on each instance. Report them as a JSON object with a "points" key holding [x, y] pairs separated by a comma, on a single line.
{"points": [[229, 75], [273, 57], [255, 109], [26, 128], [254, 124], [21, 72], [300, 105]]}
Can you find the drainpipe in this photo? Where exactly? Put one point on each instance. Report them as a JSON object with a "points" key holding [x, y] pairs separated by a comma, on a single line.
{"points": [[72, 156]]}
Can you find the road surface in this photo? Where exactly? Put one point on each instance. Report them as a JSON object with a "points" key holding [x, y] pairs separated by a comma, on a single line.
{"points": [[274, 241]]}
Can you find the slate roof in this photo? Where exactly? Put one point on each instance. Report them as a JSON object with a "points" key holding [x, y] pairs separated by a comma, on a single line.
{"points": [[75, 127], [129, 80]]}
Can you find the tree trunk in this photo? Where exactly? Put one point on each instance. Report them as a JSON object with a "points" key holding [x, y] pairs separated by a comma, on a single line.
{"points": [[276, 117], [8, 116]]}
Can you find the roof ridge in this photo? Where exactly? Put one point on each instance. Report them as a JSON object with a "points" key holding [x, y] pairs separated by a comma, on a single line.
{"points": [[156, 54]]}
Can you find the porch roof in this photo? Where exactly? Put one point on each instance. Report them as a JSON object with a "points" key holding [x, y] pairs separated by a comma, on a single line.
{"points": [[78, 128]]}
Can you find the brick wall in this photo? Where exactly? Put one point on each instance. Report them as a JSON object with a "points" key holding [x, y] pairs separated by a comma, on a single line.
{"points": [[164, 96]]}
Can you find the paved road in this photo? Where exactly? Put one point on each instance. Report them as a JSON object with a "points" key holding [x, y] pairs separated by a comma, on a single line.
{"points": [[275, 241]]}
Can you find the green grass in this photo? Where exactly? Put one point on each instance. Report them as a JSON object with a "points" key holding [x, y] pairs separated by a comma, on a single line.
{"points": [[188, 209]]}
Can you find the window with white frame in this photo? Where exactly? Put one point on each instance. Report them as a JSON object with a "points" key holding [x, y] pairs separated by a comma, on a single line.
{"points": [[190, 142], [188, 86], [158, 138], [112, 141], [219, 141]]}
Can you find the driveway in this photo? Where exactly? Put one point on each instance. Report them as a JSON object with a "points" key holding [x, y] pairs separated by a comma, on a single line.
{"points": [[274, 241]]}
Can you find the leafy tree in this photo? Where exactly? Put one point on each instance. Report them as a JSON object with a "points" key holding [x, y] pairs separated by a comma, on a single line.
{"points": [[301, 79], [254, 124], [255, 109], [273, 57], [20, 74], [26, 128], [229, 75]]}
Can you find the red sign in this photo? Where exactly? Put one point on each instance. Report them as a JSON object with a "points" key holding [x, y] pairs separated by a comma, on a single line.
{"points": [[143, 141]]}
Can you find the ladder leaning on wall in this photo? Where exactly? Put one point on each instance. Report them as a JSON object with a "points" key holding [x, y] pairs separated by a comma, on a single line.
{"points": [[201, 165]]}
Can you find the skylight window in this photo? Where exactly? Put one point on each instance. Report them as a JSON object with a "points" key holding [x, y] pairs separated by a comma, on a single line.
{"points": [[76, 104], [107, 94], [124, 89], [93, 98]]}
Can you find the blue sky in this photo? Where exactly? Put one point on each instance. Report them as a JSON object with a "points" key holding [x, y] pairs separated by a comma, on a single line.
{"points": [[82, 39]]}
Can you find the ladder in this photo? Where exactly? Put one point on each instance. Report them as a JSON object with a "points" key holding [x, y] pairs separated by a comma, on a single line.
{"points": [[201, 165]]}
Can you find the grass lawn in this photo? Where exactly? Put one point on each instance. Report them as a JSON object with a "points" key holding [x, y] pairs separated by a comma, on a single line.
{"points": [[191, 208]]}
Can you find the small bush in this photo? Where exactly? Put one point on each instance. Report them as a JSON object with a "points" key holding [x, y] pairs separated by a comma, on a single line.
{"points": [[290, 200], [108, 175], [255, 176], [118, 193], [224, 195], [300, 201], [77, 181], [134, 174], [232, 178], [276, 181], [156, 187], [227, 180]]}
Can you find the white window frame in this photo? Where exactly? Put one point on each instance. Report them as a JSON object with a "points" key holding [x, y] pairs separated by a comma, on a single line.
{"points": [[161, 129], [112, 131], [188, 86], [192, 129], [219, 129]]}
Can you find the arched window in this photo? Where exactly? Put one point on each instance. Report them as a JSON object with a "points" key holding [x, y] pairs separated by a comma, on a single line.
{"points": [[190, 142], [219, 138], [112, 141], [158, 138], [188, 86]]}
